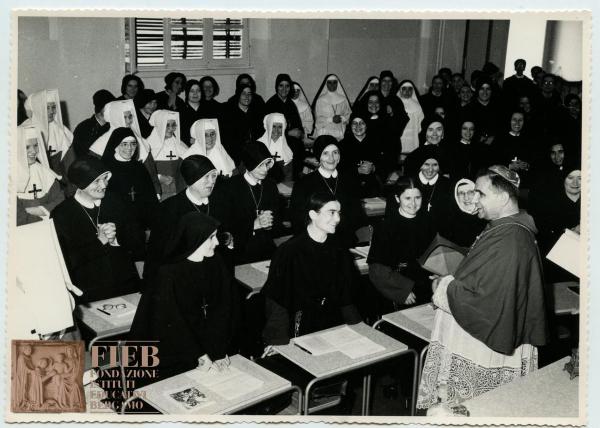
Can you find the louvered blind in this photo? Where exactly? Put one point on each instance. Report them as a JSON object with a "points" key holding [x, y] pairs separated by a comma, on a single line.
{"points": [[227, 38], [187, 38], [149, 41]]}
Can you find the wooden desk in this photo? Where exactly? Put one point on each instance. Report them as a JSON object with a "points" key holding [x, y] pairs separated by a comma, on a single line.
{"points": [[272, 386], [566, 301], [100, 325], [285, 189], [374, 206], [336, 363], [548, 392]]}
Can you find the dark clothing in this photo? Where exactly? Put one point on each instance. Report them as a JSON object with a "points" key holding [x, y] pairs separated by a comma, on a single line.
{"points": [[287, 108], [462, 161], [461, 228], [353, 152], [497, 294], [553, 214], [100, 271], [345, 188], [162, 102], [429, 102], [51, 199], [145, 127], [508, 147], [240, 128], [131, 182], [189, 309], [168, 215], [437, 200], [310, 287], [397, 244], [515, 87], [86, 133], [243, 202]]}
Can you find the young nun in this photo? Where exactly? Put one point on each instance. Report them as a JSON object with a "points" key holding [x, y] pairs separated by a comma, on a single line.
{"points": [[124, 114], [93, 127], [206, 141], [311, 280], [398, 242], [38, 189], [275, 141], [514, 149], [253, 207], [167, 150], [331, 107], [201, 195], [130, 181], [362, 157], [304, 110], [432, 134], [409, 97], [98, 235], [145, 104], [169, 98], [328, 179], [46, 115], [190, 306]]}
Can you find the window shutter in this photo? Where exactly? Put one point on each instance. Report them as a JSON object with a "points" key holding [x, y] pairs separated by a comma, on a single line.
{"points": [[187, 38], [227, 38], [149, 41]]}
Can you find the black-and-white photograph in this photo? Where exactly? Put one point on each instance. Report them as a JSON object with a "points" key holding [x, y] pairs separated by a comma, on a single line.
{"points": [[374, 215]]}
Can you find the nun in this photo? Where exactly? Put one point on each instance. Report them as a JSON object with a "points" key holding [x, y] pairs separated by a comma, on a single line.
{"points": [[275, 141], [410, 99], [331, 107], [304, 110], [206, 141]]}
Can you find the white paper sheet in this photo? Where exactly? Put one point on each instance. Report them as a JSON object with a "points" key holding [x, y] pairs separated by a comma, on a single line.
{"points": [[343, 339], [566, 252], [116, 307], [229, 384], [262, 266]]}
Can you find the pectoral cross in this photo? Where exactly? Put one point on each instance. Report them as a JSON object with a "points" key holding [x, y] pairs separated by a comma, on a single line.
{"points": [[428, 206], [132, 194], [35, 191], [51, 150], [276, 156], [171, 155], [204, 307]]}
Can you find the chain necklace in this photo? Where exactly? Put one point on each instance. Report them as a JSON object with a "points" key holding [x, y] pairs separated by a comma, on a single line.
{"points": [[334, 191], [95, 225], [256, 204]]}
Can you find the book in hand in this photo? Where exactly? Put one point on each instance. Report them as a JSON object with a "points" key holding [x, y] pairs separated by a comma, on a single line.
{"points": [[442, 257], [567, 252]]}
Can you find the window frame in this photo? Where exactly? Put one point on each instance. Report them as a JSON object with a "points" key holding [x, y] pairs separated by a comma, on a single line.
{"points": [[206, 63]]}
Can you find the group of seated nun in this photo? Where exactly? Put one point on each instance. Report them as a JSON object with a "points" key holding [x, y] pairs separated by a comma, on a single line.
{"points": [[187, 184]]}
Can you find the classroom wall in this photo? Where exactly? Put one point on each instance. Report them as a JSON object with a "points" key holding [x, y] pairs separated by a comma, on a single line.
{"points": [[81, 55]]}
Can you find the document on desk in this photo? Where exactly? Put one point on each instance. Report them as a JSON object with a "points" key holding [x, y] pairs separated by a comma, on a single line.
{"points": [[343, 339], [229, 384], [114, 309], [422, 315], [262, 266]]}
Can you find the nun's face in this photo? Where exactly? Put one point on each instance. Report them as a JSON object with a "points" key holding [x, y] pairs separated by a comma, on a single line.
{"points": [[410, 201], [131, 89], [283, 89], [516, 122], [177, 85], [194, 94], [208, 89], [51, 110], [33, 149], [171, 128], [276, 130], [434, 133], [261, 171], [330, 158], [296, 92], [573, 183], [359, 127], [373, 104], [210, 138], [386, 84], [457, 82], [467, 130], [465, 94], [373, 85], [464, 196], [332, 85], [128, 117], [440, 111], [205, 185], [406, 91], [485, 92], [430, 168], [437, 84], [97, 188], [150, 107], [525, 104], [127, 148], [557, 154], [574, 107], [327, 218], [246, 97], [206, 249]]}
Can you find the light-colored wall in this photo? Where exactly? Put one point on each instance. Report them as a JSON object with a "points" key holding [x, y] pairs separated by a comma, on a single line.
{"points": [[82, 55]]}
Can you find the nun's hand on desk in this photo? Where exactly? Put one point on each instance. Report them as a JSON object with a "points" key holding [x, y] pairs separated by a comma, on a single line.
{"points": [[337, 118], [411, 299], [204, 363]]}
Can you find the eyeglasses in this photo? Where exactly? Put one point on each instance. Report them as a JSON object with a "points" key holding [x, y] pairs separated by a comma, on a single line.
{"points": [[109, 306]]}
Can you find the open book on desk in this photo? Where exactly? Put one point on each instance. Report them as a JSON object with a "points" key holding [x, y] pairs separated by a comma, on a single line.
{"points": [[342, 339], [116, 309]]}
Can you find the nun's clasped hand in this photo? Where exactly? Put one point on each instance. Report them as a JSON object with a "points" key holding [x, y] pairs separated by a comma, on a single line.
{"points": [[107, 233]]}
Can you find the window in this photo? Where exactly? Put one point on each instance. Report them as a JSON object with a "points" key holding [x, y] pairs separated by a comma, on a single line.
{"points": [[185, 43]]}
